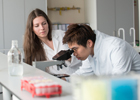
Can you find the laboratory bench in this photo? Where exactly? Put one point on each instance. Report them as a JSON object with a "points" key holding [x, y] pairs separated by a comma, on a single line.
{"points": [[12, 84]]}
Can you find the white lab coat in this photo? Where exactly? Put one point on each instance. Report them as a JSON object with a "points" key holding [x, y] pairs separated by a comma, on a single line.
{"points": [[57, 38], [112, 56]]}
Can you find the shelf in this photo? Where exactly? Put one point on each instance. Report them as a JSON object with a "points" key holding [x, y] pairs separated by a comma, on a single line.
{"points": [[60, 9]]}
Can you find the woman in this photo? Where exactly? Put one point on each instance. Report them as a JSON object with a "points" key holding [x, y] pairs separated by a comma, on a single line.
{"points": [[41, 43]]}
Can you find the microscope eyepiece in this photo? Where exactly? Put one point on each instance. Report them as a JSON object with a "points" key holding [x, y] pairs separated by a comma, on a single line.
{"points": [[70, 51], [63, 55]]}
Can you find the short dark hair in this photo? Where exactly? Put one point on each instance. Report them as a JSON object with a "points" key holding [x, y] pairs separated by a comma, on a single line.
{"points": [[79, 33]]}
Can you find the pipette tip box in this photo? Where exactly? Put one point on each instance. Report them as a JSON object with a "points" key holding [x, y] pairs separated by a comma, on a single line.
{"points": [[41, 86]]}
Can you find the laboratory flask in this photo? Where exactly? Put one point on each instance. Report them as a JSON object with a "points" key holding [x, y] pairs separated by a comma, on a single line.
{"points": [[15, 61]]}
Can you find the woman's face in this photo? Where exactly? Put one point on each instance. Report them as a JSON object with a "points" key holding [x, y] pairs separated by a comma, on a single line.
{"points": [[40, 27]]}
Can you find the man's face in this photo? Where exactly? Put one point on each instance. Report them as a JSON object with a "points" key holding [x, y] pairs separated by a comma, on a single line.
{"points": [[80, 51]]}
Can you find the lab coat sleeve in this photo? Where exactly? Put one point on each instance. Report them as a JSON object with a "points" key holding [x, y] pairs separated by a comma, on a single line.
{"points": [[73, 65], [121, 59], [85, 69]]}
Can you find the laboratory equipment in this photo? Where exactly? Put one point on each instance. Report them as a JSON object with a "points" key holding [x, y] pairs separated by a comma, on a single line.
{"points": [[15, 66], [58, 59], [132, 29], [105, 88], [137, 48], [40, 86], [123, 32], [63, 55], [124, 89]]}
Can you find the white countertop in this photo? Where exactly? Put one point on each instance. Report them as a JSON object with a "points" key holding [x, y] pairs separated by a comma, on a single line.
{"points": [[13, 83]]}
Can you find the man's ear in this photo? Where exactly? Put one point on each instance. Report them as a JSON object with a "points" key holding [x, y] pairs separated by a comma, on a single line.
{"points": [[89, 43]]}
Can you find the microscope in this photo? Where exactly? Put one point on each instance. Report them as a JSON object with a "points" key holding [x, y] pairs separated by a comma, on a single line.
{"points": [[58, 59], [62, 56]]}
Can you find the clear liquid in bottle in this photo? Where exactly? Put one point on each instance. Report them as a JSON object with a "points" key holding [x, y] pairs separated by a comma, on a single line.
{"points": [[15, 63]]}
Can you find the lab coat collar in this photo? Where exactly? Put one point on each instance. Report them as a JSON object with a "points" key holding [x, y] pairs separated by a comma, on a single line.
{"points": [[55, 41], [98, 42], [54, 34]]}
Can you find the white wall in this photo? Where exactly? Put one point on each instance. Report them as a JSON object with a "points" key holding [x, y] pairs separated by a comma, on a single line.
{"points": [[90, 13], [29, 6], [13, 16], [1, 27], [70, 16], [136, 19], [139, 18]]}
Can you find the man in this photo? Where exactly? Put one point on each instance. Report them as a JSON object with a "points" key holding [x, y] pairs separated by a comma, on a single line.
{"points": [[107, 55]]}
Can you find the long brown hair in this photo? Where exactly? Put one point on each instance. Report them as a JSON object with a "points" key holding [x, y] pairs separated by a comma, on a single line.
{"points": [[33, 49]]}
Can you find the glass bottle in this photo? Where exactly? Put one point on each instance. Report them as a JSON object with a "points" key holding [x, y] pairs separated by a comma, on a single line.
{"points": [[15, 61]]}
